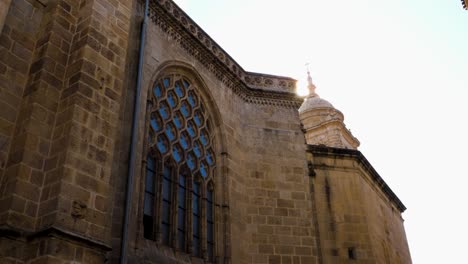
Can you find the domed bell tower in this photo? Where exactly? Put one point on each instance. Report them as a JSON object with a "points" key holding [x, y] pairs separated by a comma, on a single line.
{"points": [[323, 123]]}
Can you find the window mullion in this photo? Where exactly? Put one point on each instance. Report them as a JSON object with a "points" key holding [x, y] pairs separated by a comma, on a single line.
{"points": [[189, 215], [158, 200], [174, 207]]}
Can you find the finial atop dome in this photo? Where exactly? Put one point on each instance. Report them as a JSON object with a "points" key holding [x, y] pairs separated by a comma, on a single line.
{"points": [[310, 84]]}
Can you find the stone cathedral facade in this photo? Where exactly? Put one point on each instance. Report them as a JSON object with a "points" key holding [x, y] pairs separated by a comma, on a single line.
{"points": [[170, 152]]}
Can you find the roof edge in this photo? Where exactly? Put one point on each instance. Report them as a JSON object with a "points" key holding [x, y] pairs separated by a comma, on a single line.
{"points": [[329, 151], [179, 25]]}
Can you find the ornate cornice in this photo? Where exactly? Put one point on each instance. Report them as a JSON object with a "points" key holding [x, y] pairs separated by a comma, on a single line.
{"points": [[254, 88], [465, 4]]}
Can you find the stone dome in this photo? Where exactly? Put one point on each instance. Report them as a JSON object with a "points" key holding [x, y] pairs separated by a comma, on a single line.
{"points": [[323, 124], [313, 102]]}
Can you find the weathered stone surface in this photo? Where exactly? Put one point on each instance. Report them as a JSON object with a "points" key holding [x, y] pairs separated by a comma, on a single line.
{"points": [[356, 210], [67, 89]]}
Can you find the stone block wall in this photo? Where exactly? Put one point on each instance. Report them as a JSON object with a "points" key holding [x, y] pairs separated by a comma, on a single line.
{"points": [[264, 210], [62, 73], [359, 218], [67, 89], [4, 7], [276, 209]]}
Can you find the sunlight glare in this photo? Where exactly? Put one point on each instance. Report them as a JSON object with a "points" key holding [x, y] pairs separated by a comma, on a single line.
{"points": [[301, 87]]}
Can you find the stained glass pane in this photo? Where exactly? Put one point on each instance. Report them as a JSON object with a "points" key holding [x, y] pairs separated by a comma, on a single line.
{"points": [[204, 138], [198, 119], [166, 212], [181, 219], [162, 144], [192, 98], [171, 98], [170, 131], [180, 91], [191, 161], [209, 211], [185, 109], [149, 184], [150, 163], [210, 157], [156, 122], [157, 91], [178, 120], [191, 129], [177, 153], [166, 190], [209, 196], [149, 204], [166, 82], [164, 110], [186, 83], [196, 218], [182, 180], [196, 226], [196, 188], [181, 213], [181, 197], [203, 169], [184, 140], [195, 205], [197, 149], [167, 172]]}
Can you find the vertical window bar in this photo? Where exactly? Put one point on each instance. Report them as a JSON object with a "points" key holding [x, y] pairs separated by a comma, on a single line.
{"points": [[148, 210], [166, 205], [210, 225], [196, 211], [181, 212]]}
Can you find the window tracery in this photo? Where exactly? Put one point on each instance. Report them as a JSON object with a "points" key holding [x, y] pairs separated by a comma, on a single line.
{"points": [[179, 190]]}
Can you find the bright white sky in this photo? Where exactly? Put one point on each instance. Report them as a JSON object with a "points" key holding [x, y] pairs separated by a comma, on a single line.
{"points": [[397, 69]]}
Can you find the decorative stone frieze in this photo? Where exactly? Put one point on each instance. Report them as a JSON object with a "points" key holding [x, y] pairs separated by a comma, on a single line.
{"points": [[252, 87]]}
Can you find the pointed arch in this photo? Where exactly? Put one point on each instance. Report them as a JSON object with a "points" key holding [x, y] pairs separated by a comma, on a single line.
{"points": [[184, 129]]}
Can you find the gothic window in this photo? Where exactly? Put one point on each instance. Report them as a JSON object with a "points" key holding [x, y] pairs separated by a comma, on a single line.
{"points": [[179, 191]]}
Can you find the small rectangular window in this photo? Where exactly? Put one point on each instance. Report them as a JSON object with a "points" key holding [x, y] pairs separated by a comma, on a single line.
{"points": [[351, 253]]}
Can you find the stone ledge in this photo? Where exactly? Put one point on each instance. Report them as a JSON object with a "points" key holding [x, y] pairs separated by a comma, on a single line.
{"points": [[6, 231]]}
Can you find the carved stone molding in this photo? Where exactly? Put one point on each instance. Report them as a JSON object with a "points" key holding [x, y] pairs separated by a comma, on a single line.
{"points": [[254, 88]]}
